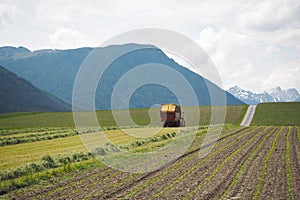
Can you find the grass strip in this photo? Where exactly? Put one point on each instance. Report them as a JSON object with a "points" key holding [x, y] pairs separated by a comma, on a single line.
{"points": [[242, 115], [34, 138], [24, 181]]}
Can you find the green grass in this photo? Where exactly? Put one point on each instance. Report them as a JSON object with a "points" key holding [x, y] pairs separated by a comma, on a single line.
{"points": [[239, 121], [51, 119], [19, 154], [6, 115], [36, 178], [18, 162], [105, 117], [15, 155], [277, 114], [32, 137], [31, 131]]}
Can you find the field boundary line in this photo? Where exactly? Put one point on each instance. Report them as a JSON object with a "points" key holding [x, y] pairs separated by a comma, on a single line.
{"points": [[298, 133]]}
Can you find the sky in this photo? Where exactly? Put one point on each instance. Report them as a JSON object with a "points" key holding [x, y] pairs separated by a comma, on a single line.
{"points": [[253, 44]]}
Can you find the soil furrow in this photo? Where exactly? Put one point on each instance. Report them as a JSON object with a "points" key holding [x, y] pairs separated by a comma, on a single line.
{"points": [[227, 178], [295, 165], [275, 181], [170, 176], [159, 175], [245, 187], [197, 180]]}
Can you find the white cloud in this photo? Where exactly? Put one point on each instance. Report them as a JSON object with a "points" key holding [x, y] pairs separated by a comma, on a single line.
{"points": [[255, 44], [271, 15], [67, 38], [7, 11], [254, 60]]}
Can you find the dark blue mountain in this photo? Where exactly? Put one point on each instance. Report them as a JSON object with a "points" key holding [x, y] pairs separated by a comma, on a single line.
{"points": [[55, 71], [19, 95]]}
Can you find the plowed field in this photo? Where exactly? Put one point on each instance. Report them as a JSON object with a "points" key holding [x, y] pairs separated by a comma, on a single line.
{"points": [[246, 163]]}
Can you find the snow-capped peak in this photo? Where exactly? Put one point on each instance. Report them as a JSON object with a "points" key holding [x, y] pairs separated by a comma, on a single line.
{"points": [[273, 95]]}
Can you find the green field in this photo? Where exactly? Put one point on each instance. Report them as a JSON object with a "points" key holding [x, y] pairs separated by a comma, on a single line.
{"points": [[26, 139], [277, 114], [234, 115], [37, 146]]}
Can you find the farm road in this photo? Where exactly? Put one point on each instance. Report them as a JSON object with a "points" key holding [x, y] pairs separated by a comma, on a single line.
{"points": [[248, 116]]}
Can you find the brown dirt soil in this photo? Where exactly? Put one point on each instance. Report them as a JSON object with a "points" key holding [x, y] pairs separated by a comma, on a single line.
{"points": [[246, 186], [170, 175], [106, 183], [275, 182], [215, 188], [191, 180], [295, 164]]}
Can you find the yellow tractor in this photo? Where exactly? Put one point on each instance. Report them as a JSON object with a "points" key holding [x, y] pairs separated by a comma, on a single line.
{"points": [[171, 116]]}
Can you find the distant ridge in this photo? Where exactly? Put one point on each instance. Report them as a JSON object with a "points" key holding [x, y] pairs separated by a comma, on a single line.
{"points": [[274, 95], [19, 95], [8, 51], [55, 70]]}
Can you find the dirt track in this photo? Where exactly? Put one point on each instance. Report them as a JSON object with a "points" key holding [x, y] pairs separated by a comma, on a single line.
{"points": [[247, 163], [248, 116]]}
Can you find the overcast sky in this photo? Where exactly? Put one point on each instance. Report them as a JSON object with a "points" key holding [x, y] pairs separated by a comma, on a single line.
{"points": [[254, 44]]}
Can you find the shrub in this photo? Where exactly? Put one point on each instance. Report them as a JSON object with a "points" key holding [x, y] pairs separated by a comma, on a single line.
{"points": [[163, 137], [48, 161]]}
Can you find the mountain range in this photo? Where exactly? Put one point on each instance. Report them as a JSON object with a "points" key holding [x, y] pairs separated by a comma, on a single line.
{"points": [[19, 95], [54, 71], [273, 95]]}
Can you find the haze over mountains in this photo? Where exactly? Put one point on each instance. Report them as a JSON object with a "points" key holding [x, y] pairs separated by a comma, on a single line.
{"points": [[274, 95], [55, 70], [19, 95]]}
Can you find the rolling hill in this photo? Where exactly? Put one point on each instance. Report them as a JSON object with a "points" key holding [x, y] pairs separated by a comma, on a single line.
{"points": [[277, 114], [55, 70], [19, 95]]}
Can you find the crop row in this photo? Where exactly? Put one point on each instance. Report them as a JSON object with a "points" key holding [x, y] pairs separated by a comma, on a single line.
{"points": [[265, 167], [180, 143], [178, 164], [288, 165], [91, 181], [6, 132], [112, 173], [46, 162], [180, 178], [245, 164], [227, 171], [34, 137], [220, 166]]}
